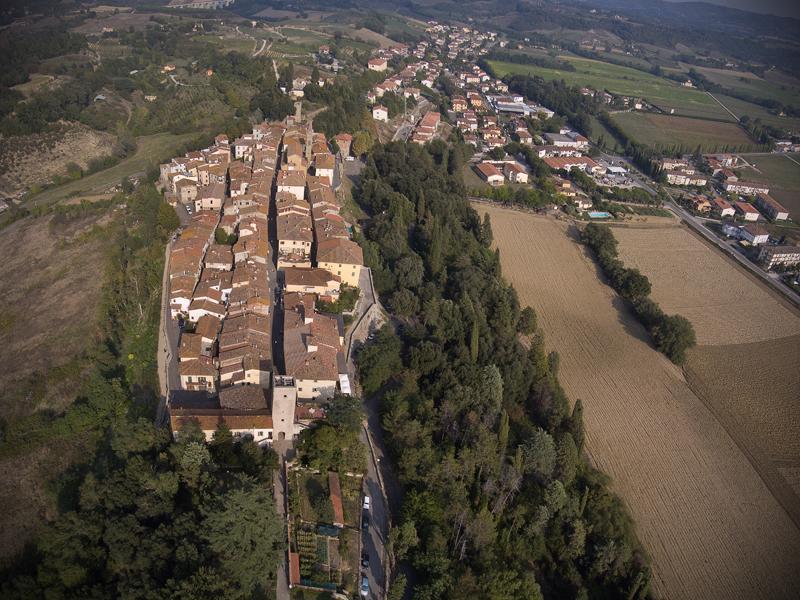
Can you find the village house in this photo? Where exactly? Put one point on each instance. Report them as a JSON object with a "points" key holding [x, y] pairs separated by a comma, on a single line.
{"points": [[722, 208], [490, 174], [380, 113], [198, 375], [341, 257], [746, 211], [515, 172], [293, 182], [294, 240], [755, 234], [311, 281], [377, 64]]}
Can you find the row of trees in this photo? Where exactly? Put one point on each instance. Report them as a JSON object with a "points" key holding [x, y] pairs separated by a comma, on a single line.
{"points": [[672, 334], [499, 502]]}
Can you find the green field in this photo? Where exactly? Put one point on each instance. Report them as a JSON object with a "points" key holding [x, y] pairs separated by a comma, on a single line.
{"points": [[665, 131], [151, 149], [753, 85], [662, 92], [741, 108], [782, 175]]}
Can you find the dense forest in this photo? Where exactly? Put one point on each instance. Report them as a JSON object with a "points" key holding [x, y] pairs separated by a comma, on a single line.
{"points": [[499, 501]]}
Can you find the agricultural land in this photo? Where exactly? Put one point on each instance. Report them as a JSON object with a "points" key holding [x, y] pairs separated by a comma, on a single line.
{"points": [[617, 79], [670, 131], [711, 525], [747, 363]]}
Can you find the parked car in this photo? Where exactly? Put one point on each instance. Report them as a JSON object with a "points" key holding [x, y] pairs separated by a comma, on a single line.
{"points": [[366, 502], [365, 521], [364, 587], [365, 560]]}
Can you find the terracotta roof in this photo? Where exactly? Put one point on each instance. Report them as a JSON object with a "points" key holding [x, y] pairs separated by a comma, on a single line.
{"points": [[291, 178], [294, 227], [198, 367], [212, 419], [489, 170], [305, 276], [207, 327], [340, 251], [243, 397]]}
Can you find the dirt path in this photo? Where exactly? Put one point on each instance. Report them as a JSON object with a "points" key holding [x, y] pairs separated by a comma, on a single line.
{"points": [[723, 106], [710, 524]]}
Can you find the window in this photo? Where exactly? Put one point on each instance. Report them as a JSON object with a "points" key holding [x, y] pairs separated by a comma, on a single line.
{"points": [[189, 379], [260, 434]]}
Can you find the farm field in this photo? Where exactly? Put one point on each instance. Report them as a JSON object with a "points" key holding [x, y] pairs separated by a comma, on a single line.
{"points": [[710, 524], [624, 80], [747, 363], [150, 149], [782, 175], [754, 111], [750, 83], [668, 130]]}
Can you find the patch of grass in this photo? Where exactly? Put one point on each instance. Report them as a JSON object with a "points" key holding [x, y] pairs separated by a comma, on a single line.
{"points": [[752, 84]]}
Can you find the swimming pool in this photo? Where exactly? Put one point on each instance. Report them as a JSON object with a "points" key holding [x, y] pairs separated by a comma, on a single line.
{"points": [[599, 214]]}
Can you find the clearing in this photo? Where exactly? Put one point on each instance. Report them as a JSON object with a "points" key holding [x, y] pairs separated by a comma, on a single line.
{"points": [[751, 84], [665, 131], [710, 524], [150, 150], [617, 79], [31, 160]]}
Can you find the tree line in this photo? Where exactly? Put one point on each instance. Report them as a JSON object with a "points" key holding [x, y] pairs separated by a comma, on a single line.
{"points": [[672, 335], [498, 499]]}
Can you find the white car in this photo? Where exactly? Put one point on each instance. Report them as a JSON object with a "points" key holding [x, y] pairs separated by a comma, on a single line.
{"points": [[366, 503]]}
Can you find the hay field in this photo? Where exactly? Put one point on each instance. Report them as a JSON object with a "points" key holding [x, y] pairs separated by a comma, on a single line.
{"points": [[747, 364], [710, 524], [723, 303]]}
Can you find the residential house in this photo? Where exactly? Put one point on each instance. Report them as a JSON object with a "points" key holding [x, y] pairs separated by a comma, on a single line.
{"points": [[784, 256], [341, 257], [311, 281], [746, 211], [380, 113], [198, 375], [771, 208], [755, 234], [722, 208]]}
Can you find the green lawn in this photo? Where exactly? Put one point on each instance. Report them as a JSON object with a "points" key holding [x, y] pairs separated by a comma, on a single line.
{"points": [[664, 131], [623, 80], [151, 149], [598, 129]]}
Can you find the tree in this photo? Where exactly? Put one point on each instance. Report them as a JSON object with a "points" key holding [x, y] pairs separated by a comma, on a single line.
{"points": [[634, 285], [673, 336], [167, 218], [540, 454], [245, 534], [527, 321], [402, 538], [362, 142]]}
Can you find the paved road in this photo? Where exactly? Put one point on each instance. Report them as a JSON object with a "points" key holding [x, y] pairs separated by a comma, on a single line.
{"points": [[407, 126]]}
